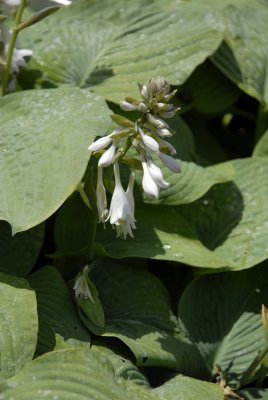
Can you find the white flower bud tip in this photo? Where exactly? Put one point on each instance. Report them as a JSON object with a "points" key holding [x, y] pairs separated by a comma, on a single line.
{"points": [[149, 141], [100, 144], [108, 157], [124, 105], [169, 162]]}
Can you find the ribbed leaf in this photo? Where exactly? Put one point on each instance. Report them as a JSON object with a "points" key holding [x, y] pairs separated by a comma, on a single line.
{"points": [[188, 389], [56, 305], [225, 228], [80, 375], [43, 150], [129, 42], [221, 313], [137, 311], [18, 324], [243, 56]]}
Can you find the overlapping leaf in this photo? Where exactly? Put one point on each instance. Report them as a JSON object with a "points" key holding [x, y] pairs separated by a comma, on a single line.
{"points": [[18, 324], [56, 306], [221, 314], [137, 311], [74, 373], [111, 53], [225, 228], [43, 150]]}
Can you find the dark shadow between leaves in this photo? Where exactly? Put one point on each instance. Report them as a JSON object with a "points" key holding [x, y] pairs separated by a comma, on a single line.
{"points": [[216, 214], [98, 75]]}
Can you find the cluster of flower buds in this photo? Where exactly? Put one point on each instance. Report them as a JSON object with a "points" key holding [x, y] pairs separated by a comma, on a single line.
{"points": [[147, 136]]}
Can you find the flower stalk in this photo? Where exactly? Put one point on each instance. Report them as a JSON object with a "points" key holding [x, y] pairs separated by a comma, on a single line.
{"points": [[147, 136]]}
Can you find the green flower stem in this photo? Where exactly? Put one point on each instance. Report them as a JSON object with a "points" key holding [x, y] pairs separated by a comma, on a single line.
{"points": [[89, 191], [11, 46]]}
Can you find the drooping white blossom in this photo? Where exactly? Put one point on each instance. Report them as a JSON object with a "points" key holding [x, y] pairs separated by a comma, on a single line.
{"points": [[149, 186], [81, 287], [121, 213], [157, 175]]}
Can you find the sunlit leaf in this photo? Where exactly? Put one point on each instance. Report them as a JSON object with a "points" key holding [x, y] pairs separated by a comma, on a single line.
{"points": [[43, 150], [18, 324]]}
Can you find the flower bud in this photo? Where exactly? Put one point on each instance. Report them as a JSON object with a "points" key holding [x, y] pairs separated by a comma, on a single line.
{"points": [[124, 105], [100, 144], [149, 141], [149, 186], [169, 162], [108, 157]]}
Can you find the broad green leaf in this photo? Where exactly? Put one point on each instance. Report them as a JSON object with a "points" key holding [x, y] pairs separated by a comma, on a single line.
{"points": [[243, 56], [221, 314], [18, 253], [43, 150], [225, 228], [192, 183], [138, 312], [113, 50], [261, 148], [18, 324], [56, 305], [188, 389], [71, 374], [80, 374]]}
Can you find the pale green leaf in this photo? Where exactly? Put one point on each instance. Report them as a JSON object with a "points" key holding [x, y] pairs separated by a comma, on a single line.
{"points": [[43, 150], [185, 388], [18, 253], [71, 374], [221, 314], [18, 324]]}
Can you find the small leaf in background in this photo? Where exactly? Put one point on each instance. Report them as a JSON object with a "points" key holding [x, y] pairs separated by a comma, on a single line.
{"points": [[44, 150], [18, 324], [19, 253], [221, 313], [56, 305]]}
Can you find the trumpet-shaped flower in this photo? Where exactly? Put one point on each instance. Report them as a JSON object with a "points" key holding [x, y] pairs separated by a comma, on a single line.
{"points": [[121, 213], [149, 186], [156, 174], [81, 287]]}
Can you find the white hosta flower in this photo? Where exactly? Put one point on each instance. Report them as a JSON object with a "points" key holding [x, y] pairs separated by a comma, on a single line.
{"points": [[100, 144], [157, 122], [149, 141], [108, 157], [149, 186], [81, 287], [156, 174], [163, 132], [101, 197], [169, 162], [121, 212]]}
